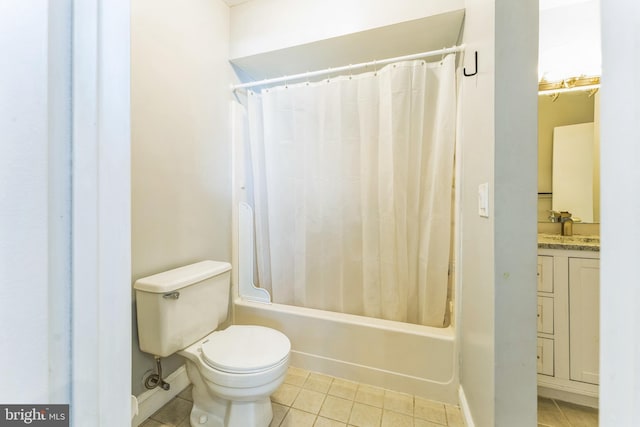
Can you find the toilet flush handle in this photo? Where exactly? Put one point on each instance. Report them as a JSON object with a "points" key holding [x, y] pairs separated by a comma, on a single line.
{"points": [[172, 295]]}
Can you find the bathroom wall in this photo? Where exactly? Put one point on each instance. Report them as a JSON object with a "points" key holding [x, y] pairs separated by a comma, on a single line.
{"points": [[620, 202], [32, 247], [181, 158], [292, 23], [497, 316], [64, 228]]}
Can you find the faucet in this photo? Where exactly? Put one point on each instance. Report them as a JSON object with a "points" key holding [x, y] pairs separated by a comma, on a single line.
{"points": [[554, 216], [566, 222]]}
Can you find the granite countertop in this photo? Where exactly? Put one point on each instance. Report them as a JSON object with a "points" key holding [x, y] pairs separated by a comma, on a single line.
{"points": [[575, 243]]}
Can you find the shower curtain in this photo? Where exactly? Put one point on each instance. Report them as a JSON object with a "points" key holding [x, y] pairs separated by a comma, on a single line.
{"points": [[352, 191]]}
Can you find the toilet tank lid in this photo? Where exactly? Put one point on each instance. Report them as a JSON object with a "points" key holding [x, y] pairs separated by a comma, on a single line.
{"points": [[181, 277]]}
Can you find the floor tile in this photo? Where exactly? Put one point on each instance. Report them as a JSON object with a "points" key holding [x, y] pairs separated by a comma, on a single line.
{"points": [[297, 418], [279, 412], [153, 423], [296, 376], [336, 408], [365, 416], [298, 371], [343, 388], [430, 411], [398, 402], [395, 419], [370, 395], [173, 412], [549, 414], [187, 394], [285, 394], [418, 422], [309, 401], [454, 416], [579, 416], [318, 382], [326, 422]]}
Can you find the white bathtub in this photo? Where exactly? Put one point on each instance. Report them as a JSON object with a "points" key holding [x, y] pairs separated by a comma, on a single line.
{"points": [[409, 358]]}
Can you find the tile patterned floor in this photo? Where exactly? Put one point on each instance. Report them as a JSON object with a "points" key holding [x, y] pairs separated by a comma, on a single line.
{"points": [[309, 399], [554, 413]]}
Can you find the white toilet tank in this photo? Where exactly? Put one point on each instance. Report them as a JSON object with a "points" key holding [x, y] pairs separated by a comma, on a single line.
{"points": [[177, 307]]}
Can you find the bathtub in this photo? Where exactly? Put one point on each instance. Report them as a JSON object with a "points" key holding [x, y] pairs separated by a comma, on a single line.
{"points": [[408, 358]]}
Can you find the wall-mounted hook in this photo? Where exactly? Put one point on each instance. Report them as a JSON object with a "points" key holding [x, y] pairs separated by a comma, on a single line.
{"points": [[464, 70]]}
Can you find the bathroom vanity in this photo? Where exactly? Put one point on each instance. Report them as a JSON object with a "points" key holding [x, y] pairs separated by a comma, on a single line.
{"points": [[568, 318]]}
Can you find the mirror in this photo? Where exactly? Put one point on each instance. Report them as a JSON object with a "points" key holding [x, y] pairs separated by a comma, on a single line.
{"points": [[569, 155]]}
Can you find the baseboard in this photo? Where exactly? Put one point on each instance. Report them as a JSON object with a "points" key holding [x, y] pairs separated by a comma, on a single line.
{"points": [[568, 396], [464, 408], [152, 400]]}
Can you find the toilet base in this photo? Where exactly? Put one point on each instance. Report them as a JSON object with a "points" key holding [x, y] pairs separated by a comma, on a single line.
{"points": [[213, 411], [238, 414]]}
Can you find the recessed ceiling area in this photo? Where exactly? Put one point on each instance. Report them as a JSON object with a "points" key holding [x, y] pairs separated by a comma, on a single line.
{"points": [[415, 36]]}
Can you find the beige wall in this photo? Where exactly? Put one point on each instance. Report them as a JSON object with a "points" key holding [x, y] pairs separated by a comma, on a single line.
{"points": [[181, 161]]}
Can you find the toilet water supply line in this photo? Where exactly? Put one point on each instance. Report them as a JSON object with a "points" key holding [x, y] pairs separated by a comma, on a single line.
{"points": [[155, 380], [329, 71]]}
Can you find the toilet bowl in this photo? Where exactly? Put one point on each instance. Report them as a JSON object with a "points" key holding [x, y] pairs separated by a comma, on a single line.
{"points": [[233, 371]]}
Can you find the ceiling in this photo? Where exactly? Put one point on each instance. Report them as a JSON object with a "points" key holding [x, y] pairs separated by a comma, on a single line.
{"points": [[232, 3]]}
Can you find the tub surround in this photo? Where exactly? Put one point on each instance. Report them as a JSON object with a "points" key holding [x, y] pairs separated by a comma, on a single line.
{"points": [[572, 243], [341, 345]]}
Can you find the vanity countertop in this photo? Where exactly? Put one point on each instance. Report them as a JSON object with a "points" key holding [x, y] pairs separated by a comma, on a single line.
{"points": [[574, 243]]}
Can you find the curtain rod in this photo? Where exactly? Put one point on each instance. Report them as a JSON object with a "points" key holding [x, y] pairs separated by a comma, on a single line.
{"points": [[349, 67]]}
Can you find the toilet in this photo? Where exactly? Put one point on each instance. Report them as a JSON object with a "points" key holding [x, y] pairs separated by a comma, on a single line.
{"points": [[233, 371]]}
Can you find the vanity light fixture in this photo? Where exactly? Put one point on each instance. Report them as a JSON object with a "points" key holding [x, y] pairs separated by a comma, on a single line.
{"points": [[574, 84]]}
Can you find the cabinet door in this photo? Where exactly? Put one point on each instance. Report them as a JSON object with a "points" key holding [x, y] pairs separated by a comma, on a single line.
{"points": [[584, 319], [545, 273]]}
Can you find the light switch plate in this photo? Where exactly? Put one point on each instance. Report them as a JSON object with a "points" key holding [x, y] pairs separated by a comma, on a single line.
{"points": [[483, 200]]}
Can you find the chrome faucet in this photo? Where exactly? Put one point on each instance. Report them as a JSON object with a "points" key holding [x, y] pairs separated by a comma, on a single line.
{"points": [[566, 222]]}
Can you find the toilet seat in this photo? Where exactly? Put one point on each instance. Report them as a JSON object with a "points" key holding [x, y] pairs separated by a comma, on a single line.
{"points": [[241, 349]]}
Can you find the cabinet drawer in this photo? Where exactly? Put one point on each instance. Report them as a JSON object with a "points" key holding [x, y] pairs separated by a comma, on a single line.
{"points": [[545, 273], [545, 356], [545, 315]]}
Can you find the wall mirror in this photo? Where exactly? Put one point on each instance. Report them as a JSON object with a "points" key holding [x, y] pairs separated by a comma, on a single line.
{"points": [[569, 155]]}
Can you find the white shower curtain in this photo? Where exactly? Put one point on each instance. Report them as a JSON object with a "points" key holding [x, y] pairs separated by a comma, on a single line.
{"points": [[352, 191]]}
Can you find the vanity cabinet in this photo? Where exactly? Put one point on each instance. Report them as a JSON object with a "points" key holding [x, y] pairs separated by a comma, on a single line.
{"points": [[584, 319], [568, 325]]}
